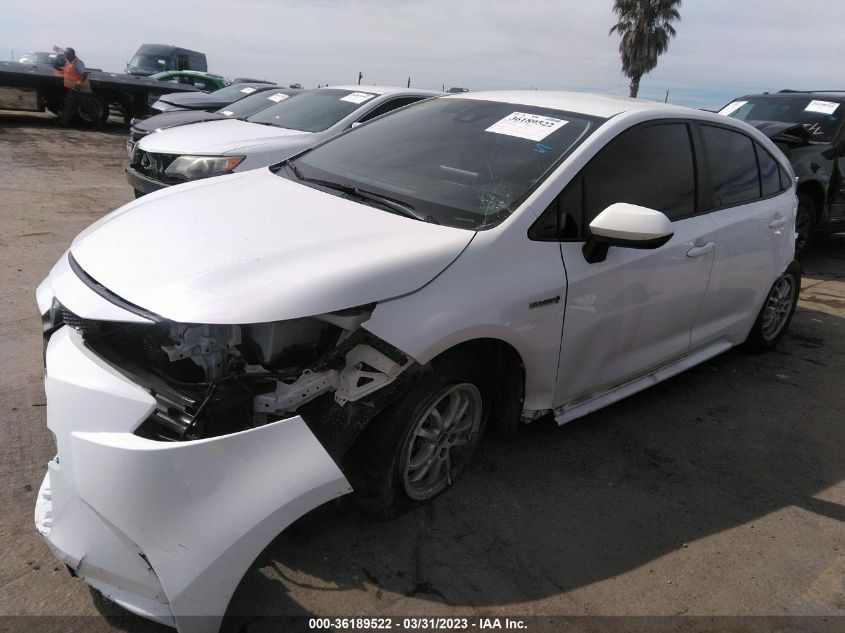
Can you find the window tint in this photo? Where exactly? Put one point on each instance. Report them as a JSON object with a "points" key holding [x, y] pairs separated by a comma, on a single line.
{"points": [[769, 178], [384, 108], [648, 166], [467, 163], [733, 166]]}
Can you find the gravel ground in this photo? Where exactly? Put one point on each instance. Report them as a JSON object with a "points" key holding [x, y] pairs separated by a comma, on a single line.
{"points": [[717, 493]]}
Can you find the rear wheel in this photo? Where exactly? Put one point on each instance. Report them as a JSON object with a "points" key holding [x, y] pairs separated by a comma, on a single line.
{"points": [[93, 111], [805, 223], [777, 311]]}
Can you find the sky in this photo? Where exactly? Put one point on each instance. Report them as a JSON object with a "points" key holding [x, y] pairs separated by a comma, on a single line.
{"points": [[723, 48]]}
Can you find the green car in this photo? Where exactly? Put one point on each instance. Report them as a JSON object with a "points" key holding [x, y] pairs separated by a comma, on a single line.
{"points": [[206, 82]]}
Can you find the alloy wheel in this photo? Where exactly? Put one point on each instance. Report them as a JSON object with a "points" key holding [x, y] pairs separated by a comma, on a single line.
{"points": [[778, 307], [441, 441]]}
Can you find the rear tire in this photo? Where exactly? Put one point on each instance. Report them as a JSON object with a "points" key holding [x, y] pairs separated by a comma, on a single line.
{"points": [[93, 111], [805, 223], [421, 445], [777, 311]]}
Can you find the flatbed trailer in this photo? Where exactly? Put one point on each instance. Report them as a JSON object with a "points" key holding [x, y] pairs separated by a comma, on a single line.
{"points": [[38, 87]]}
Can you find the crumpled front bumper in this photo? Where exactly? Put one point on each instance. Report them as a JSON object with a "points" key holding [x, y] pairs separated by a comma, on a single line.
{"points": [[165, 529]]}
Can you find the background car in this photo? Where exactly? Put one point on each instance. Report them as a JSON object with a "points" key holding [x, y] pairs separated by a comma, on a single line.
{"points": [[816, 150], [44, 57], [240, 109], [206, 82], [209, 149], [207, 101], [155, 58]]}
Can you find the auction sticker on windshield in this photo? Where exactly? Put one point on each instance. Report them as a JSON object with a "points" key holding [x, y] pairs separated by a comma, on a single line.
{"points": [[278, 97], [732, 107], [530, 126], [227, 113], [357, 97], [825, 107], [248, 90]]}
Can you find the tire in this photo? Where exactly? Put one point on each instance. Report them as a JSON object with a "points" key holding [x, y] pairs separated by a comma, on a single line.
{"points": [[93, 111], [805, 223], [408, 455], [777, 311]]}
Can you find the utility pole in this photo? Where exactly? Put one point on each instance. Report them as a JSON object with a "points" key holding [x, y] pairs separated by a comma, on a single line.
{"points": [[409, 82], [360, 77], [666, 98]]}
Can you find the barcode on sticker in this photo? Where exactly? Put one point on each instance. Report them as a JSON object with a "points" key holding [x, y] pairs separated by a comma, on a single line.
{"points": [[533, 127]]}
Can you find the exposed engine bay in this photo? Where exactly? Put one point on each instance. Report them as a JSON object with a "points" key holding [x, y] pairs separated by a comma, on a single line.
{"points": [[212, 380]]}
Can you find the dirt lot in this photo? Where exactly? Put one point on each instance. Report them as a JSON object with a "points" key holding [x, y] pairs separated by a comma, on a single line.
{"points": [[719, 492]]}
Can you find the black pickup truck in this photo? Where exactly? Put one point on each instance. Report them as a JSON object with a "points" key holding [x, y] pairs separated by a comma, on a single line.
{"points": [[37, 87], [809, 127]]}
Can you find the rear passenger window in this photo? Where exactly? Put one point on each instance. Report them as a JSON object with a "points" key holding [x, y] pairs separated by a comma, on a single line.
{"points": [[733, 166], [769, 177], [389, 106], [649, 166]]}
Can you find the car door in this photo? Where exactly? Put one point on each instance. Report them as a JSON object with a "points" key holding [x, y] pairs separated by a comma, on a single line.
{"points": [[753, 210], [632, 312]]}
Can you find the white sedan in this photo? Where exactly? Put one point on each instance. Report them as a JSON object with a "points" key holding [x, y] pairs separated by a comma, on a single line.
{"points": [[351, 320]]}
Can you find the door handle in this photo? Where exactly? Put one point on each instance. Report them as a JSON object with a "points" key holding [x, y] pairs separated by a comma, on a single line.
{"points": [[703, 249], [777, 223]]}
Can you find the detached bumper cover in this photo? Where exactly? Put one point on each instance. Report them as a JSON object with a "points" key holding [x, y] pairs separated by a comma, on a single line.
{"points": [[167, 530]]}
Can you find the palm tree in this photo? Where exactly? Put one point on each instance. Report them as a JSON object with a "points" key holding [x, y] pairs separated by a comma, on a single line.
{"points": [[646, 28]]}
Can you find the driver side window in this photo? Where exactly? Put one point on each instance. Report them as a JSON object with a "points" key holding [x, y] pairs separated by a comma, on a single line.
{"points": [[651, 166]]}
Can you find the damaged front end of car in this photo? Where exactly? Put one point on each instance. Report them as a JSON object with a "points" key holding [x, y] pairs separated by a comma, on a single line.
{"points": [[183, 449]]}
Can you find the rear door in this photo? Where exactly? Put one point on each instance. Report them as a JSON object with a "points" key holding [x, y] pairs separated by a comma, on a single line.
{"points": [[753, 210], [632, 312]]}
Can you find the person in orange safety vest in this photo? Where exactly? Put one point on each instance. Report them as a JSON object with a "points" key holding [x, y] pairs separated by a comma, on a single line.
{"points": [[78, 89]]}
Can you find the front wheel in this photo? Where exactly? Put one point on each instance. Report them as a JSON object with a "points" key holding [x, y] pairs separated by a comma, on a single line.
{"points": [[777, 311], [422, 444]]}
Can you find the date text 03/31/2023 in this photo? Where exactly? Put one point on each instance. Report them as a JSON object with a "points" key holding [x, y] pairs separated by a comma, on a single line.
{"points": [[416, 624]]}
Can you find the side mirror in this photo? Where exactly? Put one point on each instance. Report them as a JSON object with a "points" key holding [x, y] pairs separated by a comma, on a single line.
{"points": [[628, 226]]}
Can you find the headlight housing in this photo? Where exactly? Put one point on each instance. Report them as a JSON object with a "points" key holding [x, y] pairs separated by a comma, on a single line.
{"points": [[196, 167]]}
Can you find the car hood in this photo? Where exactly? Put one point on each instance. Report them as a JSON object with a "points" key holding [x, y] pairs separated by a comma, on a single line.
{"points": [[792, 134], [194, 100], [172, 119], [256, 247], [217, 137]]}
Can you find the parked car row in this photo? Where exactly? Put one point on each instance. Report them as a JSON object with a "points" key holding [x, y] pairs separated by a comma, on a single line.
{"points": [[358, 282], [212, 148]]}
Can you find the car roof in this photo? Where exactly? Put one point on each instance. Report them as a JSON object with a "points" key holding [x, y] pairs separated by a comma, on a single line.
{"points": [[383, 90], [829, 95], [605, 106]]}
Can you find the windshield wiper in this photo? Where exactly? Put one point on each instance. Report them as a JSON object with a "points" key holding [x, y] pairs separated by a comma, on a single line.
{"points": [[402, 208]]}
